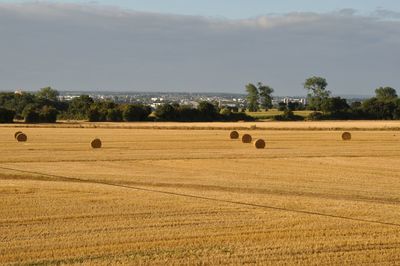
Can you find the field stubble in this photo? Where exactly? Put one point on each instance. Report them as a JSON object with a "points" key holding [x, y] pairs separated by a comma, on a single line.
{"points": [[184, 196]]}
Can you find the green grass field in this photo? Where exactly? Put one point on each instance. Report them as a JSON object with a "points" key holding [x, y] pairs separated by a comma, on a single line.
{"points": [[273, 112]]}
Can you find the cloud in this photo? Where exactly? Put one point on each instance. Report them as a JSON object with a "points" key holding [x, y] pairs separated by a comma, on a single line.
{"points": [[386, 14], [86, 47]]}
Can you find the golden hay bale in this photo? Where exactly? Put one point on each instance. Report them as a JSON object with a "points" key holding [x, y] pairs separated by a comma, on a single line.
{"points": [[246, 138], [346, 136], [234, 135], [96, 144], [259, 144], [16, 134], [21, 137], [253, 127]]}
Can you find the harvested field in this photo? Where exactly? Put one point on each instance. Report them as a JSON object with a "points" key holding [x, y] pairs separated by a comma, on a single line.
{"points": [[303, 125], [182, 196]]}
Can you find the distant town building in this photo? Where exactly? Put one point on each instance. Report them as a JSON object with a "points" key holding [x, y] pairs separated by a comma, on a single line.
{"points": [[294, 100]]}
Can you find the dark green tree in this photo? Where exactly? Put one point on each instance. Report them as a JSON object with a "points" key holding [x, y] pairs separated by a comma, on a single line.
{"points": [[189, 114], [31, 114], [208, 111], [386, 94], [396, 112], [334, 105], [6, 115], [114, 115], [94, 115], [282, 106], [79, 107], [266, 95], [167, 112], [252, 97], [136, 112], [317, 92], [48, 114], [335, 108], [376, 109], [48, 93]]}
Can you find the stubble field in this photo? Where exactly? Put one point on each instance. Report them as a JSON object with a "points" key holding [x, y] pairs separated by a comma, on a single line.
{"points": [[180, 196]]}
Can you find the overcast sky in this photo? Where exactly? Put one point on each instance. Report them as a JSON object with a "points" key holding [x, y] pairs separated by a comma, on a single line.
{"points": [[120, 46]]}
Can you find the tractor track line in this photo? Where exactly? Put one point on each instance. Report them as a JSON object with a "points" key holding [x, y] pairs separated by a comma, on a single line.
{"points": [[254, 205]]}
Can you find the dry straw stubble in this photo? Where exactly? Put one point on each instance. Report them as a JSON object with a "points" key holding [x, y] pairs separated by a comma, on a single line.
{"points": [[301, 176]]}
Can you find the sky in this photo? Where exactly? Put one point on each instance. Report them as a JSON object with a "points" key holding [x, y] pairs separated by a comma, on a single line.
{"points": [[236, 9], [199, 46]]}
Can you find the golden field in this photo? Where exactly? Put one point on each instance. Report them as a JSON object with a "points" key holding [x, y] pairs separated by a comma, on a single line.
{"points": [[171, 193]]}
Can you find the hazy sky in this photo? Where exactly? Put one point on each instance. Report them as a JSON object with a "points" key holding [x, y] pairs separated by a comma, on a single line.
{"points": [[207, 45], [242, 8]]}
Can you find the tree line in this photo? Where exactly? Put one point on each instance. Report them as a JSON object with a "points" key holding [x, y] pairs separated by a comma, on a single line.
{"points": [[384, 105], [45, 107]]}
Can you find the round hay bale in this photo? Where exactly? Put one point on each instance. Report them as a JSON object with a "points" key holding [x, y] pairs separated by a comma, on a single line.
{"points": [[253, 127], [234, 135], [346, 136], [96, 144], [21, 137], [259, 144], [246, 138], [16, 134]]}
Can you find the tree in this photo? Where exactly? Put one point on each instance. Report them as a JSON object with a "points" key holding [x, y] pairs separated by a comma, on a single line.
{"points": [[225, 111], [79, 107], [188, 114], [252, 97], [334, 105], [114, 115], [6, 115], [335, 108], [266, 95], [166, 112], [355, 105], [94, 115], [207, 111], [48, 114], [48, 93], [317, 92], [396, 112], [288, 115], [136, 112], [30, 114], [295, 106], [386, 94], [282, 106], [377, 109], [100, 111]]}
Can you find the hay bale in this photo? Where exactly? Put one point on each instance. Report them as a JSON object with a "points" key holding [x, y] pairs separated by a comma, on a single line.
{"points": [[96, 144], [253, 127], [246, 138], [16, 134], [21, 137], [346, 136], [234, 135], [259, 144]]}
